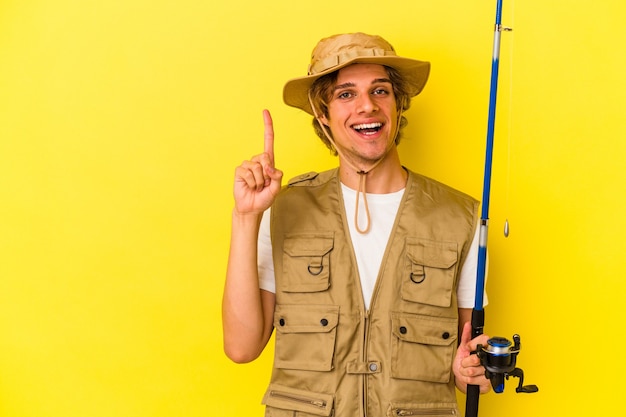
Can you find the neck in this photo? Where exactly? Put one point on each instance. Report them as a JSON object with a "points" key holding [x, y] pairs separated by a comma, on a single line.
{"points": [[387, 177]]}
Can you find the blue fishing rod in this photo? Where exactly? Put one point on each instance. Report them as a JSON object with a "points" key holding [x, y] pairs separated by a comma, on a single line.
{"points": [[499, 355]]}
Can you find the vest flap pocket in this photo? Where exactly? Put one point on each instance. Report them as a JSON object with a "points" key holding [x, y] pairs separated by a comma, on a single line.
{"points": [[287, 398], [422, 347], [305, 336], [306, 262], [430, 272], [308, 245], [423, 329], [430, 253], [305, 319]]}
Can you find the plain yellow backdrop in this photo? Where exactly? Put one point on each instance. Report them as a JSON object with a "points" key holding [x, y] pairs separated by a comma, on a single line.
{"points": [[121, 122]]}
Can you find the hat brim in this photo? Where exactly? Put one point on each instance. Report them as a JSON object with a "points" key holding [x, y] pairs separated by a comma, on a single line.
{"points": [[415, 73]]}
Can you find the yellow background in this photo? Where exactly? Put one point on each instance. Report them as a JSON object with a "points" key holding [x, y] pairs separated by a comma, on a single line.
{"points": [[121, 122]]}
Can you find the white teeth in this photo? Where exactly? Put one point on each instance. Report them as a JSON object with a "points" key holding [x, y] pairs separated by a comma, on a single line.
{"points": [[367, 126]]}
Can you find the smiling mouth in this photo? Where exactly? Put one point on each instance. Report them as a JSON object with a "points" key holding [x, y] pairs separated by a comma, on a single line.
{"points": [[368, 128]]}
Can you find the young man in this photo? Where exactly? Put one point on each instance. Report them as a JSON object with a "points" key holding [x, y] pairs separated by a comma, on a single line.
{"points": [[366, 271]]}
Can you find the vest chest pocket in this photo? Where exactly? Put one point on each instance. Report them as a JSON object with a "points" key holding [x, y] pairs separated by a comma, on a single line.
{"points": [[306, 263], [430, 272], [305, 336], [422, 347]]}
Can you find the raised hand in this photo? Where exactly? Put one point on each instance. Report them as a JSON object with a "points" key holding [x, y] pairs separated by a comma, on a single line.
{"points": [[257, 181]]}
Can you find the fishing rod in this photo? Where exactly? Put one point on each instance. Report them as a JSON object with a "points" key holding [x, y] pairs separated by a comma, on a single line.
{"points": [[499, 355]]}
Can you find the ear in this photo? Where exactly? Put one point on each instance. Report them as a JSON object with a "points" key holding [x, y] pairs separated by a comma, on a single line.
{"points": [[323, 120]]}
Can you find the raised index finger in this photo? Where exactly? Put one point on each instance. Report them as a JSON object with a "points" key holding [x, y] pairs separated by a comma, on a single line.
{"points": [[269, 135]]}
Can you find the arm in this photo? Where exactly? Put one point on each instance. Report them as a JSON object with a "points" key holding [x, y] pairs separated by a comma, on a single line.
{"points": [[247, 311], [465, 316]]}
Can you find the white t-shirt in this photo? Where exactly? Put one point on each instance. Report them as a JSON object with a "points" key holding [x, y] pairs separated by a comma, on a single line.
{"points": [[370, 248]]}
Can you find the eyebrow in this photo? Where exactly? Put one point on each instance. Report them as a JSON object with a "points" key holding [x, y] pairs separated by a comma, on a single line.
{"points": [[351, 84]]}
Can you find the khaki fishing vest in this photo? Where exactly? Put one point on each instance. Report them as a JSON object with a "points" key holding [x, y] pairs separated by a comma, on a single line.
{"points": [[334, 358]]}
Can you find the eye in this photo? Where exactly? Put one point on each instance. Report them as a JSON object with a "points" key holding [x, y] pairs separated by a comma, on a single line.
{"points": [[344, 95], [380, 92]]}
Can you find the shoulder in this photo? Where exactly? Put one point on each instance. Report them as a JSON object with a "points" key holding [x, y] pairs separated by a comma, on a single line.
{"points": [[305, 189], [434, 187], [311, 179]]}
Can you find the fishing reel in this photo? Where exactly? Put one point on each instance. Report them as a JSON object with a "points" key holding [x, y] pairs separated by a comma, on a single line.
{"points": [[499, 357]]}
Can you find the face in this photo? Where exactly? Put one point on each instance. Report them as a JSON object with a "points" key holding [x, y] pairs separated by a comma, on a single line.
{"points": [[362, 114]]}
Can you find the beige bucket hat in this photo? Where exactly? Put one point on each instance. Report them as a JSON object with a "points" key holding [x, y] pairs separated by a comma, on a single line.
{"points": [[338, 51]]}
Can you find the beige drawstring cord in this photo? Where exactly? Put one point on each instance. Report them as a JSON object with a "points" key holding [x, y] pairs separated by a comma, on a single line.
{"points": [[362, 188], [362, 174]]}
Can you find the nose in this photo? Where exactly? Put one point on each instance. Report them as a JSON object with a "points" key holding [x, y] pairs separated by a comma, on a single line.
{"points": [[366, 104]]}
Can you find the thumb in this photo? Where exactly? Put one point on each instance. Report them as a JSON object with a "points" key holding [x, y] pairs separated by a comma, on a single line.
{"points": [[275, 178], [274, 173]]}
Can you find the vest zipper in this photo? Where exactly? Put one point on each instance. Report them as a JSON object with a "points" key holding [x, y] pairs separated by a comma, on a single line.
{"points": [[401, 412], [365, 353], [299, 399]]}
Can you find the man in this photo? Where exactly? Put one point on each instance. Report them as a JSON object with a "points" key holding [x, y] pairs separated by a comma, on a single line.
{"points": [[366, 271]]}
